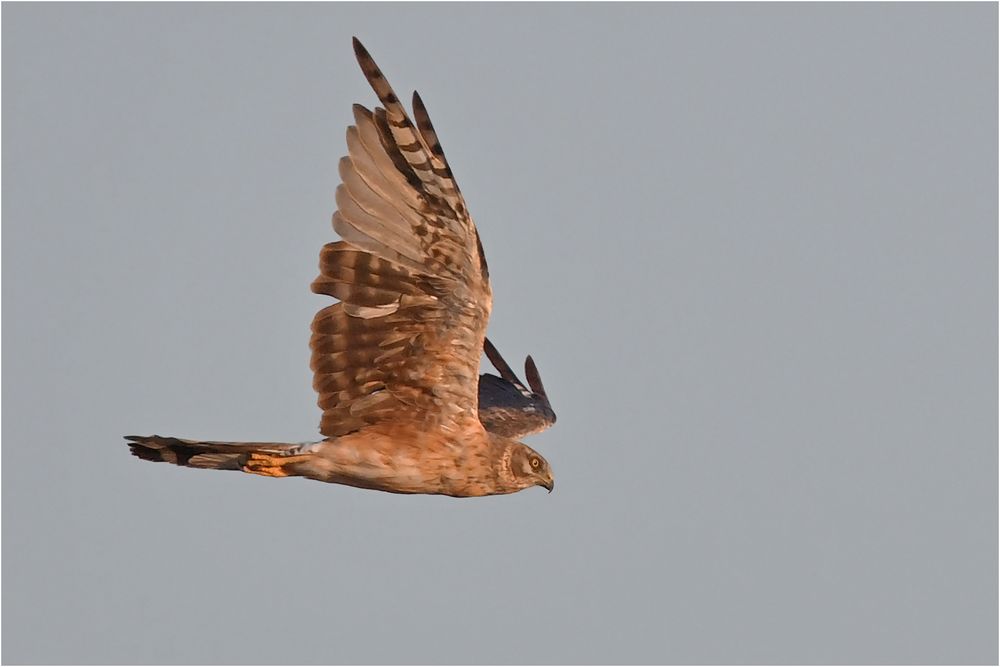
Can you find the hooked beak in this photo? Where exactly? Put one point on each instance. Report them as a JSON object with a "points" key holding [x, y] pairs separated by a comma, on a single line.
{"points": [[548, 484]]}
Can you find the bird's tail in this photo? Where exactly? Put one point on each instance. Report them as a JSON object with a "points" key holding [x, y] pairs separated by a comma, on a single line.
{"points": [[273, 459]]}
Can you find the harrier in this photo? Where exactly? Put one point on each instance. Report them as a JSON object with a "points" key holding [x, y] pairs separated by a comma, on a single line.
{"points": [[396, 359]]}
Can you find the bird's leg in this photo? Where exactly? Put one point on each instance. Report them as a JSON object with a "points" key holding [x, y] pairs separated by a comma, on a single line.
{"points": [[271, 465]]}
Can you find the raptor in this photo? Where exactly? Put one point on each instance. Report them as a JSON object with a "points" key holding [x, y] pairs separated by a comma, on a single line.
{"points": [[396, 358]]}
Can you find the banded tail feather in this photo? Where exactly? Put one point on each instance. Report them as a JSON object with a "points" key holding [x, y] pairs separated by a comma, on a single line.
{"points": [[273, 459]]}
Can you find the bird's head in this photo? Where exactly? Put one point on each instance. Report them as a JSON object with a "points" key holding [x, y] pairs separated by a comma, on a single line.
{"points": [[528, 468]]}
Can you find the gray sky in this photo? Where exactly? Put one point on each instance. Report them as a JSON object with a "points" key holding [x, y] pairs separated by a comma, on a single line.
{"points": [[752, 248]]}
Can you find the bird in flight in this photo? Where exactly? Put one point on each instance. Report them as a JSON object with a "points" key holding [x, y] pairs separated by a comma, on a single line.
{"points": [[396, 359]]}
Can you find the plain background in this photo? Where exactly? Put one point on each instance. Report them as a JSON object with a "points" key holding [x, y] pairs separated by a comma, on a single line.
{"points": [[753, 249]]}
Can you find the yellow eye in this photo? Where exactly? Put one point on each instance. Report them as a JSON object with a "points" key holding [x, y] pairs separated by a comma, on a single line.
{"points": [[535, 463]]}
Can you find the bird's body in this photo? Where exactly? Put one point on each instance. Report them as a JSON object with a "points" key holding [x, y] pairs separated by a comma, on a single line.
{"points": [[411, 460], [399, 458], [396, 360]]}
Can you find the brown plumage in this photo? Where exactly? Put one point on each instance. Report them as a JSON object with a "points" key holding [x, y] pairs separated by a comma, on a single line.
{"points": [[396, 360]]}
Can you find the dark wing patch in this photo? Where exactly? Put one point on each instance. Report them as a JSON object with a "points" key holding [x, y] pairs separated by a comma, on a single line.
{"points": [[506, 406]]}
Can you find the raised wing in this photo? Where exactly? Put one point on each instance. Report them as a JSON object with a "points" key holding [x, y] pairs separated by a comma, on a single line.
{"points": [[506, 406], [404, 342]]}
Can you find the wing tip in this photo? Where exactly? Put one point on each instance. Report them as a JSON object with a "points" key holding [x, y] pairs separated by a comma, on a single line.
{"points": [[372, 72], [420, 110], [359, 49], [534, 377], [493, 354]]}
